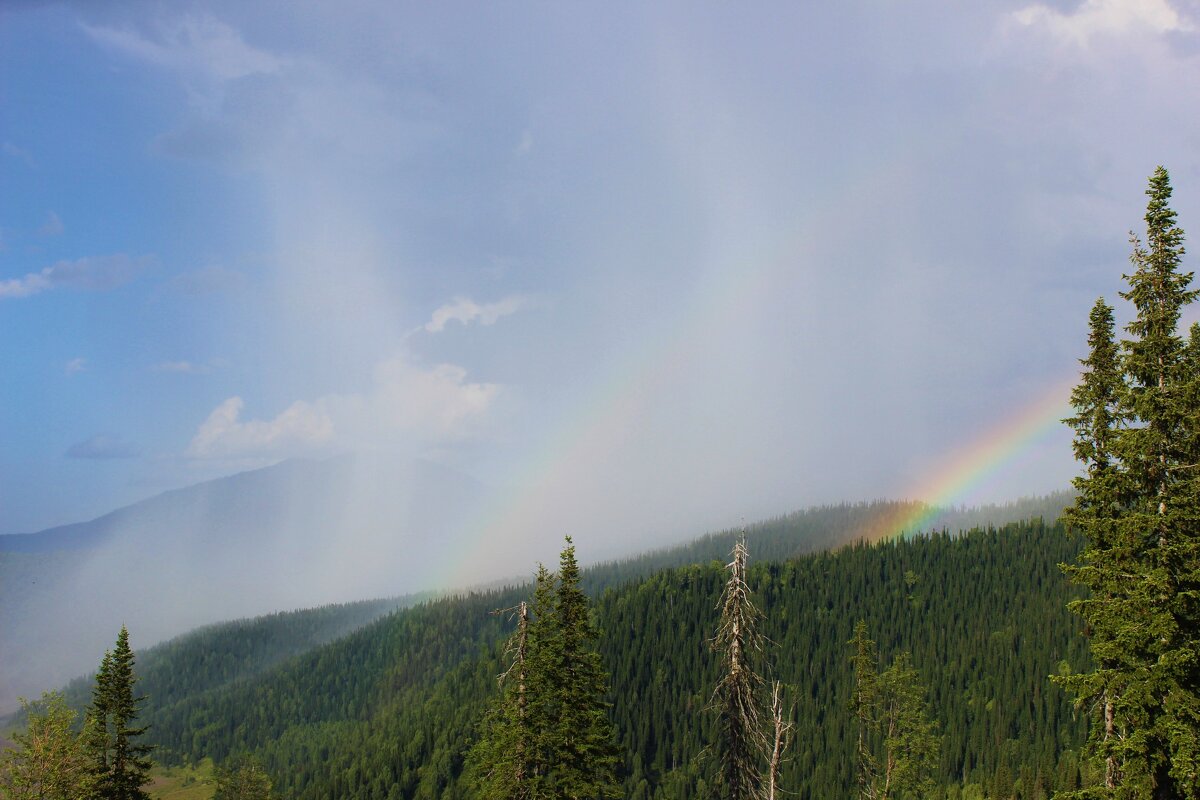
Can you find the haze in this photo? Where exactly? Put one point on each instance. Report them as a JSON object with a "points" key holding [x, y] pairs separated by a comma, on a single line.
{"points": [[635, 271]]}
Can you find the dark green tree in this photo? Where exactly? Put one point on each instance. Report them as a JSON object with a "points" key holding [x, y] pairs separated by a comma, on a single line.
{"points": [[1113, 607], [898, 743], [548, 735], [580, 738], [121, 760], [501, 764], [1139, 507]]}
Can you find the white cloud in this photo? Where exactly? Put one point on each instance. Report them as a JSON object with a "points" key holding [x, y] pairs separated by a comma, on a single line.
{"points": [[75, 365], [53, 226], [407, 405], [98, 273], [466, 311], [103, 446], [1104, 17], [223, 435], [202, 45]]}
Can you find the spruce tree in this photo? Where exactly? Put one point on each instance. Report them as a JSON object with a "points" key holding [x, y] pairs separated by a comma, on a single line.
{"points": [[898, 743], [1136, 433], [1113, 608], [121, 761], [581, 738], [547, 736]]}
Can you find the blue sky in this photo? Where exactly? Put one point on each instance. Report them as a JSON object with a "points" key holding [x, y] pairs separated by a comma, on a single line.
{"points": [[641, 268]]}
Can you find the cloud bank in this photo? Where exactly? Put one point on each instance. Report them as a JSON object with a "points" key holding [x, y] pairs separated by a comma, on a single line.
{"points": [[406, 406], [1095, 18], [96, 274], [465, 311]]}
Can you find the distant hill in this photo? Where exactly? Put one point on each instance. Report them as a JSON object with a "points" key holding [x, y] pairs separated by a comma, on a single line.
{"points": [[389, 710], [826, 527], [294, 535]]}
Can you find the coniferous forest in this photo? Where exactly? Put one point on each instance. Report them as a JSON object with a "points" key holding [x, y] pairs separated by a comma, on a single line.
{"points": [[1033, 660]]}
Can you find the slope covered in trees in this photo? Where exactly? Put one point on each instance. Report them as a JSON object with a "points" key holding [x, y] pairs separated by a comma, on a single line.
{"points": [[215, 656], [391, 710]]}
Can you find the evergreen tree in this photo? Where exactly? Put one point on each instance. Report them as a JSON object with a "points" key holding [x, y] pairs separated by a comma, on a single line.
{"points": [[863, 706], [581, 739], [501, 763], [1113, 609], [120, 760], [1139, 506], [548, 734], [51, 762], [740, 740], [898, 744]]}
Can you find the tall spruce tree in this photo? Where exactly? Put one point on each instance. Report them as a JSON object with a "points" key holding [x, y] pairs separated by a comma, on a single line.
{"points": [[580, 737], [121, 761], [1136, 432], [548, 736], [1113, 607]]}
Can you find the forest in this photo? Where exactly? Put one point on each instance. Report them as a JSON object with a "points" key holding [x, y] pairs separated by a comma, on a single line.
{"points": [[937, 666]]}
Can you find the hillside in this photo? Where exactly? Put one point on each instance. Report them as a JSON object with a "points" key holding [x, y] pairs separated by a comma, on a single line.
{"points": [[387, 712], [295, 535]]}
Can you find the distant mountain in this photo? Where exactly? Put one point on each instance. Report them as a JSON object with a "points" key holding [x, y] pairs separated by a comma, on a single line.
{"points": [[297, 534]]}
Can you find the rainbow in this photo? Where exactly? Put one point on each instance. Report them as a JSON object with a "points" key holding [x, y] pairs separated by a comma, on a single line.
{"points": [[734, 279], [964, 471]]}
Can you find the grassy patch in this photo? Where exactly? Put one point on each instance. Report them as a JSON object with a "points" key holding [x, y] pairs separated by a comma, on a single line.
{"points": [[183, 783]]}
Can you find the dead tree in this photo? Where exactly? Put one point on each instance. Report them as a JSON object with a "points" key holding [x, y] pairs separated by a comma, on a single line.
{"points": [[741, 740], [782, 739]]}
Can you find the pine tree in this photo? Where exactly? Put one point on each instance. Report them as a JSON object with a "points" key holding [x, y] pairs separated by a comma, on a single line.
{"points": [[898, 743], [548, 736], [740, 740], [501, 763], [121, 762], [1136, 434], [51, 762], [1113, 609], [863, 707], [581, 738]]}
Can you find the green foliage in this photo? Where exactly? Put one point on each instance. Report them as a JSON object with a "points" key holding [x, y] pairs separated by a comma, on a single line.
{"points": [[119, 759], [392, 709], [51, 761], [898, 744], [242, 779], [1139, 508], [548, 734]]}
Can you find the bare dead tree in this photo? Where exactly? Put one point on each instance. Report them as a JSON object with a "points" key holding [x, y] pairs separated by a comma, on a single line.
{"points": [[784, 728], [735, 697]]}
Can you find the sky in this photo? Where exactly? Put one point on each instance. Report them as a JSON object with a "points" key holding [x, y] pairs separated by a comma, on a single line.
{"points": [[638, 269]]}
